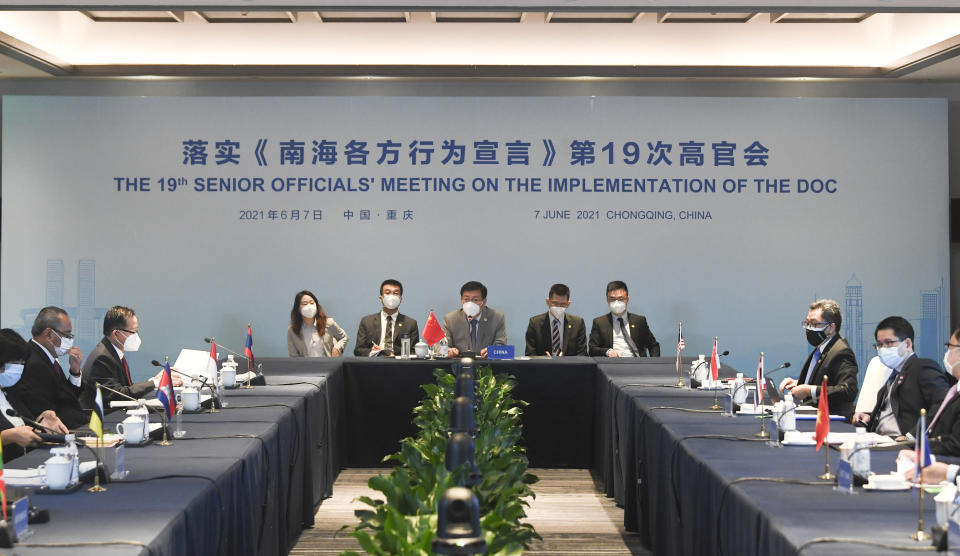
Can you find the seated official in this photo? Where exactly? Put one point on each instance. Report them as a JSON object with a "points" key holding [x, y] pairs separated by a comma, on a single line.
{"points": [[44, 385], [16, 437], [382, 333], [943, 426], [556, 332], [619, 333], [107, 363], [474, 326], [832, 359], [913, 385], [312, 333]]}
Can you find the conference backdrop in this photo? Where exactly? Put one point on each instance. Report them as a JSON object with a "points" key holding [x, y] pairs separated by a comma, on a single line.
{"points": [[728, 214]]}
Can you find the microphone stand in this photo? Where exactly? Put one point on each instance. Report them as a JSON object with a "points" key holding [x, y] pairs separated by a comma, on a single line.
{"points": [[758, 401]]}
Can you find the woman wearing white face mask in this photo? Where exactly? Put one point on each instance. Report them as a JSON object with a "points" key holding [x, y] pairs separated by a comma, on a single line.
{"points": [[312, 333]]}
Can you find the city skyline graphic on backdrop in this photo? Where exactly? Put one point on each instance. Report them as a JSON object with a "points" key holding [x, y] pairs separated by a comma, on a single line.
{"points": [[930, 325]]}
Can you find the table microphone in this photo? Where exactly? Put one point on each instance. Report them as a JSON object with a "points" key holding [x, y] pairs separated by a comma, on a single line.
{"points": [[49, 436]]}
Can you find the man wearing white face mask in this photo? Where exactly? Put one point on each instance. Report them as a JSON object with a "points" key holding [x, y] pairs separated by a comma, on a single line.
{"points": [[913, 385], [107, 363], [556, 332], [474, 326], [619, 333], [382, 333], [44, 384]]}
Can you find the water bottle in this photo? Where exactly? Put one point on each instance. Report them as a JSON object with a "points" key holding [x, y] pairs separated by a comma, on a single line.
{"points": [[861, 454], [74, 454], [788, 420], [739, 390]]}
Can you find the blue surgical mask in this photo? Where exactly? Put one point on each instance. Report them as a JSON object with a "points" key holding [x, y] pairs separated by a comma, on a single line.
{"points": [[11, 374]]}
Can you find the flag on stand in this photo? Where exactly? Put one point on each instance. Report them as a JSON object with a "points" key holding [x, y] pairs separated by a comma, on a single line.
{"points": [[248, 346], [714, 362], [213, 351], [432, 333], [823, 417], [923, 448], [761, 384], [680, 345], [96, 416], [165, 391]]}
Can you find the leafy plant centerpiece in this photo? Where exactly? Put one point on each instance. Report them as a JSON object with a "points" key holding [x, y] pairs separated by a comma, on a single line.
{"points": [[404, 522]]}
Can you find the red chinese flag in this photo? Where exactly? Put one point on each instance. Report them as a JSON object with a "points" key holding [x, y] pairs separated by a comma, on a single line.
{"points": [[823, 416], [432, 333]]}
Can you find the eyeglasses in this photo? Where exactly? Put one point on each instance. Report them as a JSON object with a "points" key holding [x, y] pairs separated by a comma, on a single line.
{"points": [[948, 345], [137, 331], [812, 324], [621, 298], [66, 335], [887, 343]]}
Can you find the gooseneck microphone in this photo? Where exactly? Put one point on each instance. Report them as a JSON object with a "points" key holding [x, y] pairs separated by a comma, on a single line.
{"points": [[50, 436], [219, 345]]}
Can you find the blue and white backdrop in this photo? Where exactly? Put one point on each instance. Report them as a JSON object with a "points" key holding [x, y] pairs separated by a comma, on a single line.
{"points": [[731, 215]]}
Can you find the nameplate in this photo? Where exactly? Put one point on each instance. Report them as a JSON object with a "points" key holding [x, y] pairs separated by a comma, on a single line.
{"points": [[845, 477], [500, 352], [21, 517]]}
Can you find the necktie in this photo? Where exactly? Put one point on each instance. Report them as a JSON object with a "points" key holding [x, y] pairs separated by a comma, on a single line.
{"points": [[626, 336], [946, 399], [557, 348], [885, 392], [474, 325], [388, 336], [56, 365], [126, 370], [813, 365]]}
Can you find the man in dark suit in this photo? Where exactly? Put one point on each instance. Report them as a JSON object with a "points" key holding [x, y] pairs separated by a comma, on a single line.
{"points": [[609, 336], [107, 363], [474, 326], [44, 385], [831, 358], [913, 385], [557, 332], [382, 333]]}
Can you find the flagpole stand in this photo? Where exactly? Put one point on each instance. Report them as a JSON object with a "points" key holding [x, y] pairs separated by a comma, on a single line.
{"points": [[827, 475], [165, 441], [920, 535], [763, 428], [716, 397], [246, 386], [96, 470]]}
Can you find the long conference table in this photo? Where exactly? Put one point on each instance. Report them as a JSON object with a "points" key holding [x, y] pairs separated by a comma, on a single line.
{"points": [[248, 479]]}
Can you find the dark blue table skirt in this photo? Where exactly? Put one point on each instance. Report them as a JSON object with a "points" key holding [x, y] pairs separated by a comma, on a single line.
{"points": [[243, 481], [690, 495]]}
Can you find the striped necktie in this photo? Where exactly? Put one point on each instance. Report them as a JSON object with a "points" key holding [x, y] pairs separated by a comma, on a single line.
{"points": [[557, 348]]}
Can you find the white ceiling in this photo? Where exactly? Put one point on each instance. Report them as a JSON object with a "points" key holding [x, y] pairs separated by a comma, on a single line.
{"points": [[265, 41]]}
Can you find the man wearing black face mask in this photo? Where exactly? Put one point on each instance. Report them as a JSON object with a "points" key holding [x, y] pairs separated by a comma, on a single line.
{"points": [[831, 357]]}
